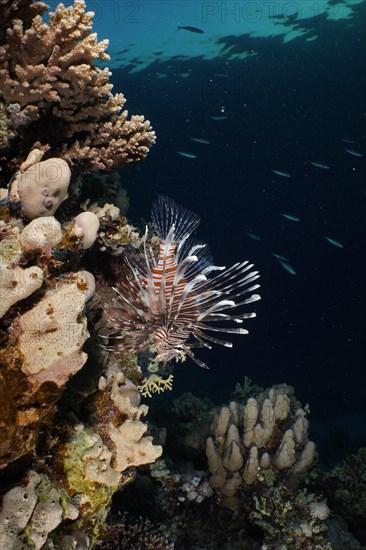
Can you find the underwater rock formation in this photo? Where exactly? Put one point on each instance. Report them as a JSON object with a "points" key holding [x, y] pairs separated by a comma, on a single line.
{"points": [[57, 113]]}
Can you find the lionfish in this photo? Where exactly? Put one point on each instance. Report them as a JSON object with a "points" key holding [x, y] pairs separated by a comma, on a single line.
{"points": [[172, 303]]}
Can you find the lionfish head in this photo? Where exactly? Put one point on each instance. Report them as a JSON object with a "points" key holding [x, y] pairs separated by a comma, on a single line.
{"points": [[177, 299]]}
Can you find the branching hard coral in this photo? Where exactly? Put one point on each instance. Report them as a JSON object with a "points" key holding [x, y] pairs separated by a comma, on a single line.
{"points": [[6, 133], [26, 9], [49, 79], [154, 383]]}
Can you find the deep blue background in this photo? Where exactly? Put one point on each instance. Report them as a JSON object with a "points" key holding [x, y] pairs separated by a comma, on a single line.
{"points": [[290, 104]]}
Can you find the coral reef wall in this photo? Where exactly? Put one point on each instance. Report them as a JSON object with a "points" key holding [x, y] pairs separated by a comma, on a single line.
{"points": [[61, 457]]}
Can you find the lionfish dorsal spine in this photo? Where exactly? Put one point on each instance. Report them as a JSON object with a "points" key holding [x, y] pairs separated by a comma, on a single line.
{"points": [[166, 213], [179, 275]]}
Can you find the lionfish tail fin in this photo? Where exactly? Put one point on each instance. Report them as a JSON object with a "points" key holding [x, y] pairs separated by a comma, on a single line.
{"points": [[166, 213]]}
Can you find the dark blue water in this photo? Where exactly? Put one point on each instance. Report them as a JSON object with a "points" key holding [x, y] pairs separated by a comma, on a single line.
{"points": [[290, 104]]}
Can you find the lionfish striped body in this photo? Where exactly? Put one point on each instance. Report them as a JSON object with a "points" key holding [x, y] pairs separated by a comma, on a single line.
{"points": [[172, 304]]}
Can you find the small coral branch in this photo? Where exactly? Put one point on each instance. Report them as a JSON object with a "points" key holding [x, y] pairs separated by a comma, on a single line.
{"points": [[11, 9]]}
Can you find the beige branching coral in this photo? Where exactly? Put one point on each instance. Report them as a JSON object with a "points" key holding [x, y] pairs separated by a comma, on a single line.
{"points": [[48, 78], [155, 383]]}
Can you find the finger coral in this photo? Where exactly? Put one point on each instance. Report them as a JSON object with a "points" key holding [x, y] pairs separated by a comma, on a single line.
{"points": [[49, 79], [261, 444]]}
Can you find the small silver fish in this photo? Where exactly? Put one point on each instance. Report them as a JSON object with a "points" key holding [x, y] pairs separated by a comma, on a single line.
{"points": [[282, 173], [254, 236], [287, 267], [280, 257], [334, 242], [291, 217], [187, 155], [354, 153], [190, 29], [320, 165], [218, 117], [201, 140], [347, 140]]}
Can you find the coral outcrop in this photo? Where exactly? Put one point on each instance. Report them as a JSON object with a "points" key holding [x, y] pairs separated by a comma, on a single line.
{"points": [[43, 312], [297, 521], [43, 351], [31, 511], [49, 81], [262, 443], [346, 488], [57, 114]]}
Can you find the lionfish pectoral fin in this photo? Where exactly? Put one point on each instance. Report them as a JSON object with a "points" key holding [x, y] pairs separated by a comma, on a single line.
{"points": [[194, 358]]}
